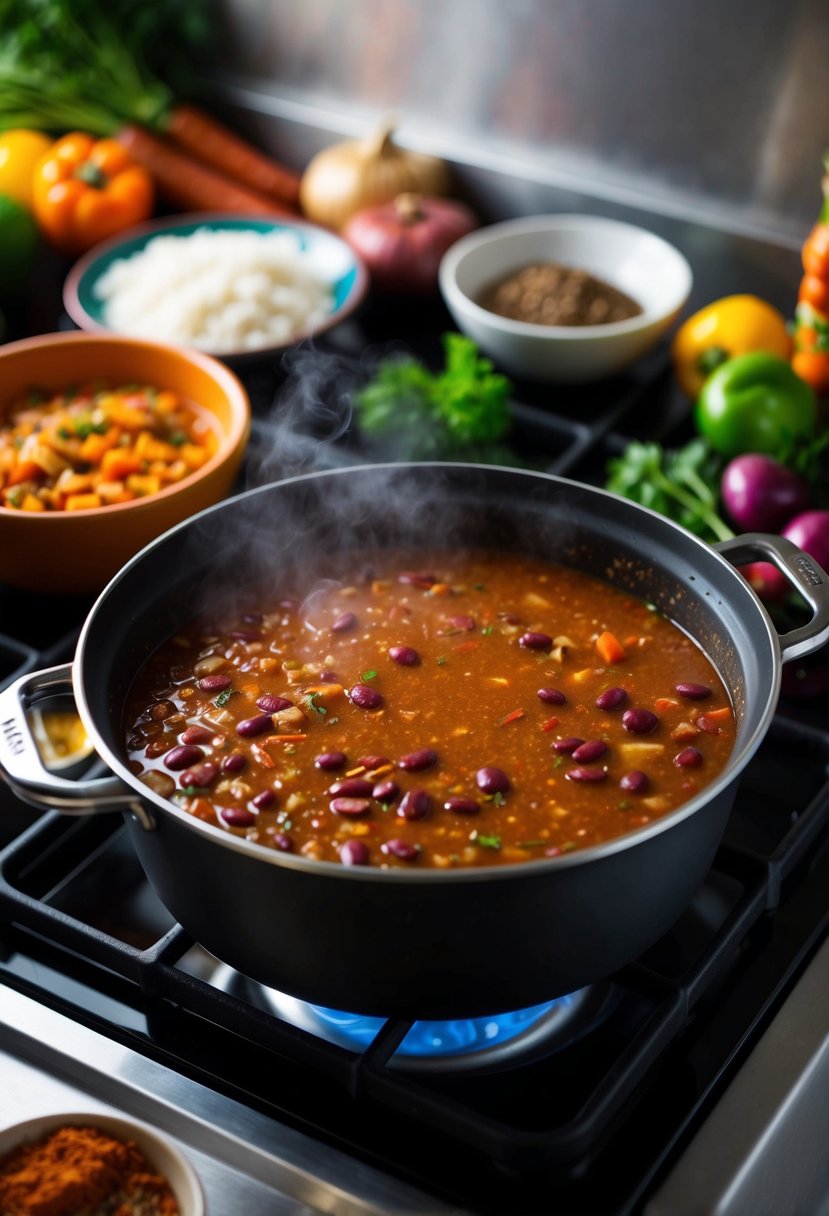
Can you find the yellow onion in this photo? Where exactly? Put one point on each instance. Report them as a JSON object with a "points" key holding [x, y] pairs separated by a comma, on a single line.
{"points": [[358, 173]]}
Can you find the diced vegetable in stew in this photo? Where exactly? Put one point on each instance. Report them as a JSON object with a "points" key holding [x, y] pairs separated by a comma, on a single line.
{"points": [[447, 710]]}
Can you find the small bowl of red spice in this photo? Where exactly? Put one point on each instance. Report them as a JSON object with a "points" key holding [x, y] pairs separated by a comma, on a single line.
{"points": [[93, 1165]]}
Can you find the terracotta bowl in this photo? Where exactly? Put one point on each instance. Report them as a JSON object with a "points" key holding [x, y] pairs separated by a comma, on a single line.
{"points": [[160, 1152], [77, 552]]}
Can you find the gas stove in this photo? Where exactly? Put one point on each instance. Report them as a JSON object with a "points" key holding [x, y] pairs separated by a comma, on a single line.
{"points": [[690, 1081]]}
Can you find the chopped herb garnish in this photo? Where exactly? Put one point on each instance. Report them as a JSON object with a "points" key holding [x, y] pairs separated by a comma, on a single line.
{"points": [[488, 842], [333, 721], [194, 791], [498, 798], [289, 749], [559, 760], [16, 496], [369, 675], [311, 701], [441, 660], [486, 631], [64, 432], [224, 697], [178, 438]]}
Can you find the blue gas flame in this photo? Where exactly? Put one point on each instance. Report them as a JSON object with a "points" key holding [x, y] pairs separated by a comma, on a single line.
{"points": [[434, 1039]]}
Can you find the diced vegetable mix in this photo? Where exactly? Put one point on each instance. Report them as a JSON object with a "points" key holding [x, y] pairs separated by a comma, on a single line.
{"points": [[96, 446], [479, 710]]}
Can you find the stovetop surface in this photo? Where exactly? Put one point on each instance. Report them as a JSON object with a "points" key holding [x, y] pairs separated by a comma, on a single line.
{"points": [[591, 1120]]}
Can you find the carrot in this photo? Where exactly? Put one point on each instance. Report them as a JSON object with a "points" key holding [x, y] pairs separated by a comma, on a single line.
{"points": [[187, 183], [203, 137], [512, 717], [610, 648]]}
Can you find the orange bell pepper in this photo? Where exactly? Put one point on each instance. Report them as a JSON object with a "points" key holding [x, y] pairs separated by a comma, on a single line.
{"points": [[85, 190]]}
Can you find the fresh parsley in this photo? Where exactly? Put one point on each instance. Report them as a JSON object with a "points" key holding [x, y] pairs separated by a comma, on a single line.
{"points": [[462, 409], [313, 704], [224, 697], [682, 484]]}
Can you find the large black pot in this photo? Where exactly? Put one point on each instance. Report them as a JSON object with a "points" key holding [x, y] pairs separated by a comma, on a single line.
{"points": [[420, 942]]}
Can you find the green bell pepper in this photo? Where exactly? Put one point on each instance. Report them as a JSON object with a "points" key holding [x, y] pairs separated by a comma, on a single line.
{"points": [[755, 403]]}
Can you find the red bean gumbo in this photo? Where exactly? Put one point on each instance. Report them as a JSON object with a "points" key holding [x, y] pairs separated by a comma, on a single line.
{"points": [[448, 710]]}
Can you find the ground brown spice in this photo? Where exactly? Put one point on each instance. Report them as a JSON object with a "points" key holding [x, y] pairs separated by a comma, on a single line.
{"points": [[548, 294], [81, 1171]]}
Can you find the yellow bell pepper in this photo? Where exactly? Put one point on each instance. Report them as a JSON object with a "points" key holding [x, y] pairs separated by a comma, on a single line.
{"points": [[734, 325], [20, 152]]}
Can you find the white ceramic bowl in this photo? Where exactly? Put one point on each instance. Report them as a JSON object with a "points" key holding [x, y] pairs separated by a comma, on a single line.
{"points": [[635, 261], [159, 1151]]}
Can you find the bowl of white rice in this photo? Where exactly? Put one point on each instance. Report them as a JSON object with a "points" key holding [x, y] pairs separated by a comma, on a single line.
{"points": [[238, 287]]}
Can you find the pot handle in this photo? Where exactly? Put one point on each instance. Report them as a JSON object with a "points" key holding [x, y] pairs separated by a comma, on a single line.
{"points": [[23, 768], [805, 575]]}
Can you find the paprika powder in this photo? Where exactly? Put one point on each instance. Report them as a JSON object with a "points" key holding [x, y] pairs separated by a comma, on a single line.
{"points": [[82, 1171]]}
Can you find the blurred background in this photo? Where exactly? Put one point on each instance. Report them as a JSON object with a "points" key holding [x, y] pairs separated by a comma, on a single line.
{"points": [[710, 111]]}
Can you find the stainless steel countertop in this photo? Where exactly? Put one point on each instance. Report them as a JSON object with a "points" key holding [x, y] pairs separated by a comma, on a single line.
{"points": [[764, 1150]]}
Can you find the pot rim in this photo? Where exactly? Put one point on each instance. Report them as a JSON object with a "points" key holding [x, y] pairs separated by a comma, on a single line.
{"points": [[426, 876]]}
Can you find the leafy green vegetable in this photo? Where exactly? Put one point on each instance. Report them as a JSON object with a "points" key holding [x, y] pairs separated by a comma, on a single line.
{"points": [[433, 416], [488, 842], [682, 484], [80, 64], [224, 697]]}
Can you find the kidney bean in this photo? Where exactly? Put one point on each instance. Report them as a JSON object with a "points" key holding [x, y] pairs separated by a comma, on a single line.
{"points": [[370, 763], [329, 677], [354, 853], [283, 842], [416, 762], [215, 683], [591, 750], [551, 696], [331, 761], [386, 791], [536, 641], [509, 618], [639, 721], [416, 804], [566, 745], [611, 698], [406, 656], [249, 727], [464, 623], [270, 704], [586, 774], [196, 734], [492, 780], [689, 757], [462, 806], [351, 807], [344, 623], [413, 579], [264, 800], [234, 763], [693, 692], [352, 787], [635, 782], [364, 697], [245, 635], [183, 756], [201, 775], [401, 849], [237, 817], [157, 747]]}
